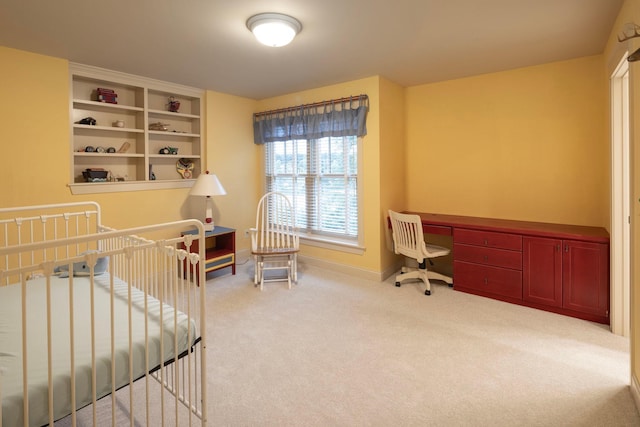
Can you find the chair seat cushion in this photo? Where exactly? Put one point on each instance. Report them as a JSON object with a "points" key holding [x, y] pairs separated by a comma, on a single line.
{"points": [[436, 251]]}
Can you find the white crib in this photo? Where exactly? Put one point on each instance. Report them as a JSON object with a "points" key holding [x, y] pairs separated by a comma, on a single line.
{"points": [[120, 340]]}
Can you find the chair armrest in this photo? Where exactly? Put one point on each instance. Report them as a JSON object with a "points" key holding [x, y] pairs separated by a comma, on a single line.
{"points": [[253, 232]]}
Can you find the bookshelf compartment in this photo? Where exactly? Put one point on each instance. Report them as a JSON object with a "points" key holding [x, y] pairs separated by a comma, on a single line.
{"points": [[158, 102], [186, 145], [108, 138], [127, 168], [177, 124], [86, 89], [165, 167], [108, 117], [140, 102]]}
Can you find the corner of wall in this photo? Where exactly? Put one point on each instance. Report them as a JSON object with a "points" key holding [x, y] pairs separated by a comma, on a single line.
{"points": [[635, 391]]}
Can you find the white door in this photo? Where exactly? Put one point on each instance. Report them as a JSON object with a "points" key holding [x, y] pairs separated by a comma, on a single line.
{"points": [[620, 200]]}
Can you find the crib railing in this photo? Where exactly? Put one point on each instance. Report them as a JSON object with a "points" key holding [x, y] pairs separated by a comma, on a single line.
{"points": [[34, 224], [167, 273], [39, 244]]}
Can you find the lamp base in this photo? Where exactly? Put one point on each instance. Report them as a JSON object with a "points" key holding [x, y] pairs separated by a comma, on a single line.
{"points": [[208, 215]]}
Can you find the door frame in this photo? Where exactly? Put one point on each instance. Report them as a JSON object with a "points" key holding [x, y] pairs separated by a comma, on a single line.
{"points": [[620, 200]]}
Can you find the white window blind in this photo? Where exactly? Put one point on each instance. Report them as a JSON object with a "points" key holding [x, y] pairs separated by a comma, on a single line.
{"points": [[320, 177]]}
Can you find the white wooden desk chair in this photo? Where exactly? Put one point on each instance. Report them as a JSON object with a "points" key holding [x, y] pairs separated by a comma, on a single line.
{"points": [[408, 240], [274, 240]]}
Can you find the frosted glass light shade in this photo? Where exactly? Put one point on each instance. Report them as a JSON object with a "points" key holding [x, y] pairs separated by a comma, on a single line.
{"points": [[274, 29]]}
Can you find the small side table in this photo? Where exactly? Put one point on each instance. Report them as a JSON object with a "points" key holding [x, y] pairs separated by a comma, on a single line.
{"points": [[220, 244]]}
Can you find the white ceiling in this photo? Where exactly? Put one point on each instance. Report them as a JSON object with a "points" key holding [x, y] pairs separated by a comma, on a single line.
{"points": [[205, 43]]}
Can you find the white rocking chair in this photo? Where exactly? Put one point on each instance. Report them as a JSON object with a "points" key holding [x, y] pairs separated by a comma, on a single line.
{"points": [[408, 240], [274, 240]]}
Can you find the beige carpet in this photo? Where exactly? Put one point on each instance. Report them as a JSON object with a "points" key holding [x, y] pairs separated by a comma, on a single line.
{"points": [[340, 351]]}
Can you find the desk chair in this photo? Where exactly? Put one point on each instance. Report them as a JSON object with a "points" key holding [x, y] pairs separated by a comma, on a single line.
{"points": [[408, 240]]}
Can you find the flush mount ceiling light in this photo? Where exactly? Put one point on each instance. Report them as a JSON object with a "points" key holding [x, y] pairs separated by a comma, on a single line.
{"points": [[274, 29]]}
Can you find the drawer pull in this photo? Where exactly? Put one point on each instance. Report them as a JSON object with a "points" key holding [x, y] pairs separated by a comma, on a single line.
{"points": [[486, 281], [486, 258], [486, 242]]}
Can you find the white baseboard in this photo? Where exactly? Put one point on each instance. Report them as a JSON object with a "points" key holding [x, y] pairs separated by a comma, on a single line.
{"points": [[341, 268], [244, 255], [393, 269], [635, 391]]}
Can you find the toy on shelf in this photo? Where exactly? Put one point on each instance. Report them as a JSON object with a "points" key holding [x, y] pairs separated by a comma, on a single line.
{"points": [[173, 105], [107, 95], [168, 150], [185, 168], [87, 121], [95, 175], [159, 126], [124, 147]]}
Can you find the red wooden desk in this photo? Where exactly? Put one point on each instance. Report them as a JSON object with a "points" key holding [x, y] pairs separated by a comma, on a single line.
{"points": [[444, 224], [554, 267]]}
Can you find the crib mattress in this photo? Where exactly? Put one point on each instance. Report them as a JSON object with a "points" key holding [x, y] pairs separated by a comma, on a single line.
{"points": [[11, 387]]}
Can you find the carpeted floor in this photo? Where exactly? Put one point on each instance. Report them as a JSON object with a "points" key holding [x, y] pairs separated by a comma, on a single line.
{"points": [[341, 351]]}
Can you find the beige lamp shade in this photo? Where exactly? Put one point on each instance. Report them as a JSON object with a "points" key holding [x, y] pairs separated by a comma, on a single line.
{"points": [[208, 185]]}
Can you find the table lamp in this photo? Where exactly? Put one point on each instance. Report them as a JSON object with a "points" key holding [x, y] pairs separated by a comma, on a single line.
{"points": [[207, 185]]}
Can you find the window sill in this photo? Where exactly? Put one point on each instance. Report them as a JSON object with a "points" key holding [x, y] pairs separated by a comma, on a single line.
{"points": [[335, 244]]}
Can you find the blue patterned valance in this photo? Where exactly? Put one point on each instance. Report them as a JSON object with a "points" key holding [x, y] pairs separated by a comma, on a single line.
{"points": [[340, 117]]}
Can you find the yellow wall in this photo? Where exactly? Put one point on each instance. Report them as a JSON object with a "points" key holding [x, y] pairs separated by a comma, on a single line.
{"points": [[392, 165], [36, 144], [35, 128], [36, 141], [235, 159], [370, 260], [525, 144], [36, 136]]}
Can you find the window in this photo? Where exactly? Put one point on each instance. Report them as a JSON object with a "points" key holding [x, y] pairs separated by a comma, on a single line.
{"points": [[313, 155], [320, 177]]}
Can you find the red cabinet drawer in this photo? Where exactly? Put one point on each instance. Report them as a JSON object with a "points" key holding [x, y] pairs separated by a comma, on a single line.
{"points": [[488, 239], [436, 229], [488, 256], [487, 279]]}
